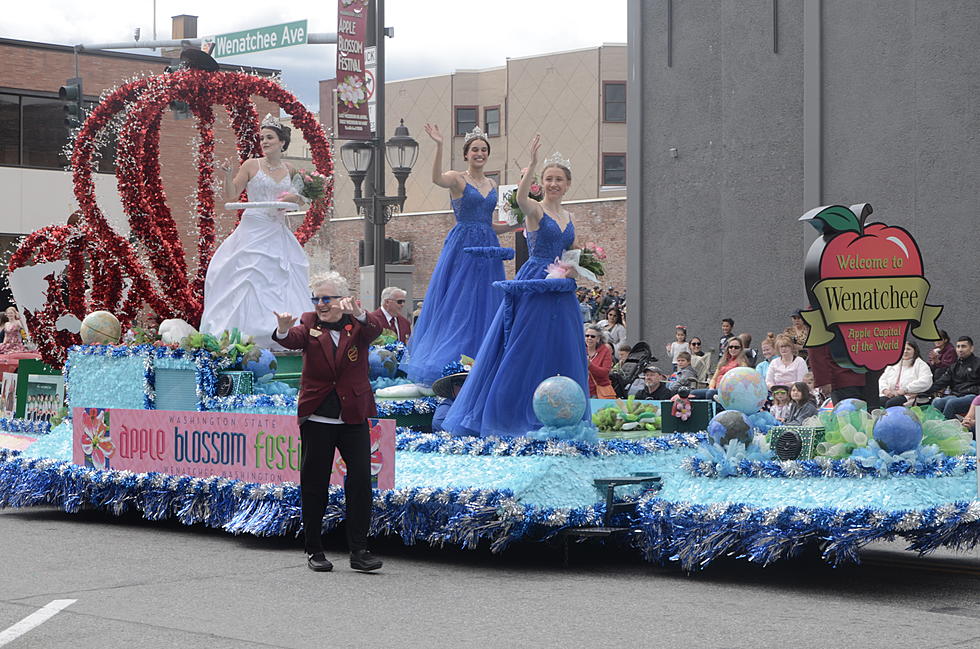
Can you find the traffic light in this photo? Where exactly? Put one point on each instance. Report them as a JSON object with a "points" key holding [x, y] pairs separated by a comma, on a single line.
{"points": [[71, 94], [396, 252]]}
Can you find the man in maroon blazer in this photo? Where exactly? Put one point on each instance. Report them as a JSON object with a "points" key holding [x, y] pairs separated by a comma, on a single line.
{"points": [[389, 314], [335, 401]]}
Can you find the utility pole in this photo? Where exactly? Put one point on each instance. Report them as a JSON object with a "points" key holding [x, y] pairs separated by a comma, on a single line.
{"points": [[379, 157]]}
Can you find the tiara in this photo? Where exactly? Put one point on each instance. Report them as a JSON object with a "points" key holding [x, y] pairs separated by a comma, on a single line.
{"points": [[270, 120], [555, 160], [476, 134]]}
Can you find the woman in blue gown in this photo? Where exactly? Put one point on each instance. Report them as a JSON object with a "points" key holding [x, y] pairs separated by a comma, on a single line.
{"points": [[461, 300], [537, 331]]}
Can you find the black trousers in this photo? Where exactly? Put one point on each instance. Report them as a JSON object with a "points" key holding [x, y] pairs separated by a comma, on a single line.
{"points": [[850, 392], [319, 442]]}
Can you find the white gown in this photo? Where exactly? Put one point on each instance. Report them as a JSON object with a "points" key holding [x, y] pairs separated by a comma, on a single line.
{"points": [[258, 269]]}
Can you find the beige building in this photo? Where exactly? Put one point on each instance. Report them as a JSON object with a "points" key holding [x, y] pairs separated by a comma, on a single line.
{"points": [[575, 99]]}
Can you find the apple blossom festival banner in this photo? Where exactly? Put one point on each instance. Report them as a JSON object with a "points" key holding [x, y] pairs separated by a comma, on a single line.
{"points": [[240, 446], [352, 89], [866, 286]]}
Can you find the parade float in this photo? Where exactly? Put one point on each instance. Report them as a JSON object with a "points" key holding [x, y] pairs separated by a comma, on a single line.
{"points": [[199, 430]]}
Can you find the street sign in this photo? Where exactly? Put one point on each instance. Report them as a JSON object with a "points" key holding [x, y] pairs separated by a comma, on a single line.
{"points": [[259, 39], [370, 69]]}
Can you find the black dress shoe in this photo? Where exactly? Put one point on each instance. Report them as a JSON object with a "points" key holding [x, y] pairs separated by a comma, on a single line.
{"points": [[364, 560], [319, 563]]}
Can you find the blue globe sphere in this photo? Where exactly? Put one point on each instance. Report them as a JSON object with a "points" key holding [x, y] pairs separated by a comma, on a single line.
{"points": [[559, 401], [742, 389], [850, 405], [729, 425], [382, 363], [898, 430], [264, 368]]}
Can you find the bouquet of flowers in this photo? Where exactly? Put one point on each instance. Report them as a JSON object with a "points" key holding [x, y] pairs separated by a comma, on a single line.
{"points": [[314, 184], [559, 269], [591, 259], [536, 192]]}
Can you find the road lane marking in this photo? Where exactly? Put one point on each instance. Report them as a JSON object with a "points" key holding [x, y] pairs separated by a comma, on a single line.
{"points": [[35, 619]]}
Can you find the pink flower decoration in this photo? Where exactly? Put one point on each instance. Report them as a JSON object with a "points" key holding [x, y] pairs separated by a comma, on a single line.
{"points": [[558, 270], [535, 188], [95, 438], [377, 457]]}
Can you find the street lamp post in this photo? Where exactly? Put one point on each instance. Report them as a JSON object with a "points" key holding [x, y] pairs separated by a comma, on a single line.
{"points": [[401, 151]]}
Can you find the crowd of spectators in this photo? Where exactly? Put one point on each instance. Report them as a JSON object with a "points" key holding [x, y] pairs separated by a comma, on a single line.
{"points": [[799, 379]]}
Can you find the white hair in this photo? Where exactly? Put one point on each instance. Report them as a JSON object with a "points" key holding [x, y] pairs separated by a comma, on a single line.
{"points": [[333, 278], [389, 293], [596, 328]]}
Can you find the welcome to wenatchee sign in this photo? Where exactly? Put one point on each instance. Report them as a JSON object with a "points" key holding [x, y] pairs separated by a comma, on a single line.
{"points": [[866, 285]]}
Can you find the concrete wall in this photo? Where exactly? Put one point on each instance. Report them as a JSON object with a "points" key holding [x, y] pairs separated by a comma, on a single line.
{"points": [[713, 230]]}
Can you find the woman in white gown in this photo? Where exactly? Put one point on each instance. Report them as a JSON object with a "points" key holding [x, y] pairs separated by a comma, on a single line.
{"points": [[260, 268]]}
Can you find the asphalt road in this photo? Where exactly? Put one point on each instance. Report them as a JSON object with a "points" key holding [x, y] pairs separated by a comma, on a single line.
{"points": [[160, 584]]}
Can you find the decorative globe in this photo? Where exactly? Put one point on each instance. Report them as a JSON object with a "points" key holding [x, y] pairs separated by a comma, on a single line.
{"points": [[742, 389], [729, 425], [382, 363], [264, 368], [100, 327], [850, 405], [559, 401], [898, 430]]}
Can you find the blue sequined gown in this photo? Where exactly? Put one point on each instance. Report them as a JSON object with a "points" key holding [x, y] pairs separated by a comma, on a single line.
{"points": [[461, 299], [535, 334]]}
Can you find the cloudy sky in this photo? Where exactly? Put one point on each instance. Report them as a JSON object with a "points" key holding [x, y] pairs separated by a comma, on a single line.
{"points": [[431, 36]]}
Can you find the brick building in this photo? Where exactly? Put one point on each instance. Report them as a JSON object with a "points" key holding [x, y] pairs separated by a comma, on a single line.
{"points": [[575, 99], [36, 188]]}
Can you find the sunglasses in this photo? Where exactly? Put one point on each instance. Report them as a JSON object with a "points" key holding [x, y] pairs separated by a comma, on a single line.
{"points": [[696, 344], [399, 301], [734, 347], [779, 392], [324, 299], [591, 336]]}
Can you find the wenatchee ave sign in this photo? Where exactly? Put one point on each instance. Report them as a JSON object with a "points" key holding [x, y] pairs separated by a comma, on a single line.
{"points": [[866, 285], [259, 39]]}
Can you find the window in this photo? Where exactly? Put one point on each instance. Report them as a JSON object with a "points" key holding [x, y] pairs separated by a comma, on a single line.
{"points": [[613, 168], [33, 133], [614, 101], [466, 119], [43, 132], [491, 121], [9, 129]]}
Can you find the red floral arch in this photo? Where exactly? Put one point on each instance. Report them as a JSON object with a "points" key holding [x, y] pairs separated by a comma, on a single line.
{"points": [[150, 269]]}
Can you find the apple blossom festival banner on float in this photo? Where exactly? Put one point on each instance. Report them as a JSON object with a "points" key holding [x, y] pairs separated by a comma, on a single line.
{"points": [[866, 286], [240, 446], [352, 88]]}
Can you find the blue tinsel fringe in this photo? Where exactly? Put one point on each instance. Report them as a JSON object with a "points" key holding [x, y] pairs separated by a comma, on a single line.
{"points": [[13, 425], [420, 406], [435, 515], [934, 467], [693, 535], [517, 446]]}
